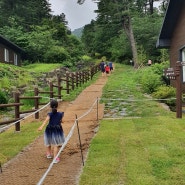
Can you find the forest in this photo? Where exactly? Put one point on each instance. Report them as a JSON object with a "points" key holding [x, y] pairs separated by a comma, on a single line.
{"points": [[124, 31]]}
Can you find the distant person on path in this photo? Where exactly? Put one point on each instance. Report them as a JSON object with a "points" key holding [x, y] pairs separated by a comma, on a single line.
{"points": [[111, 66], [149, 62], [107, 69], [102, 67], [53, 134]]}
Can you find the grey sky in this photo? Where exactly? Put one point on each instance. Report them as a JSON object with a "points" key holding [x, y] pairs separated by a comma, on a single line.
{"points": [[76, 15]]}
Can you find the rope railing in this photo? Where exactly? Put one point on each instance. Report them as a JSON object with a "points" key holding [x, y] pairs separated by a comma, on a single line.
{"points": [[66, 141]]}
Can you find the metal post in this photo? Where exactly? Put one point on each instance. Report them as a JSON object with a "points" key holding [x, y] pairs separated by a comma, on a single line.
{"points": [[79, 140]]}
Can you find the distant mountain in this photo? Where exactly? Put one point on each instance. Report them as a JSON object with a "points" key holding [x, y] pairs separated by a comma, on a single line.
{"points": [[78, 32]]}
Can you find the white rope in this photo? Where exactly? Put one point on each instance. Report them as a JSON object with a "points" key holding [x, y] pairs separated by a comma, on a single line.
{"points": [[135, 100], [8, 126], [66, 141], [61, 149]]}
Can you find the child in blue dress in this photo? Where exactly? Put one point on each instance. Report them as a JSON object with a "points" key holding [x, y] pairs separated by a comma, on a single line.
{"points": [[53, 134]]}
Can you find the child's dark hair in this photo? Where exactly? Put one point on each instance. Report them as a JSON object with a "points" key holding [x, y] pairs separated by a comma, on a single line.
{"points": [[54, 105]]}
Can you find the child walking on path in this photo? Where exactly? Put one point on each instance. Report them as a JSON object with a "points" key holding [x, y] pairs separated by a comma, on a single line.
{"points": [[107, 69], [53, 134]]}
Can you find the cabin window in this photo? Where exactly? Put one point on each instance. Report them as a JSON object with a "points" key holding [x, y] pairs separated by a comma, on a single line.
{"points": [[15, 59], [183, 60], [6, 55]]}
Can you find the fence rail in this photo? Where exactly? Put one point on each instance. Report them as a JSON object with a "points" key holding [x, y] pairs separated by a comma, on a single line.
{"points": [[71, 80]]}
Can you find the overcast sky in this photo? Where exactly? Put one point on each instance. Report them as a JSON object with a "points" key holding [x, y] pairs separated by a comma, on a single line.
{"points": [[76, 15]]}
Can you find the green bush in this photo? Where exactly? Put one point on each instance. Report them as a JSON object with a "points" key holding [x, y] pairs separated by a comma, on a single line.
{"points": [[158, 68], [150, 81], [3, 100], [86, 58], [168, 93]]}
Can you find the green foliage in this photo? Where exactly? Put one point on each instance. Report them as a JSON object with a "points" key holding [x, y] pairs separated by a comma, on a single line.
{"points": [[149, 80], [28, 104], [41, 67], [25, 13], [3, 99], [158, 68], [56, 54], [142, 57], [164, 55], [5, 83], [44, 38], [167, 93], [86, 58]]}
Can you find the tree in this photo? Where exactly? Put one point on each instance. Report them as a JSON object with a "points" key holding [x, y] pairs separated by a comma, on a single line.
{"points": [[29, 12]]}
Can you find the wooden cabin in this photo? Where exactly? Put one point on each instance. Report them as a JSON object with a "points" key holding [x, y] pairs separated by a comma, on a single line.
{"points": [[10, 53], [172, 34]]}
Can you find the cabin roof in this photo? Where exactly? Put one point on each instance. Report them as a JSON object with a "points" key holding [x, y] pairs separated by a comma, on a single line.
{"points": [[10, 44], [171, 17]]}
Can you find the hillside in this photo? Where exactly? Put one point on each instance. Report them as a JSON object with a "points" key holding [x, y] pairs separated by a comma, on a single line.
{"points": [[78, 32], [14, 78]]}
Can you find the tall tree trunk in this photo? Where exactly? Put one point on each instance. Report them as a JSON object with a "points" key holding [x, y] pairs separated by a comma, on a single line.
{"points": [[151, 4], [127, 26]]}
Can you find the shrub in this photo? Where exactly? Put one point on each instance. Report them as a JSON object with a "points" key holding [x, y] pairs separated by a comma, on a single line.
{"points": [[150, 81], [86, 58], [3, 100], [167, 93]]}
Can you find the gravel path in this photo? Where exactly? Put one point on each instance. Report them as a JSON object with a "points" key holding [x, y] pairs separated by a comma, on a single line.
{"points": [[29, 166]]}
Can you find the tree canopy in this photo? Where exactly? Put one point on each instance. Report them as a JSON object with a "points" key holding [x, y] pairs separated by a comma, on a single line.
{"points": [[44, 37], [124, 30]]}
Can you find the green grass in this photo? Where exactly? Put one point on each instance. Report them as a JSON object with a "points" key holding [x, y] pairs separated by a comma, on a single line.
{"points": [[41, 67], [11, 142], [147, 150], [139, 151]]}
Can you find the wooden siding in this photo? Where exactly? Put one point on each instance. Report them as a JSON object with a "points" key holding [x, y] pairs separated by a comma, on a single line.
{"points": [[11, 55], [178, 41]]}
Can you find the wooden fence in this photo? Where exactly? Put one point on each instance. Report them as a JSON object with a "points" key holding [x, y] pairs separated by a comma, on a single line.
{"points": [[70, 80]]}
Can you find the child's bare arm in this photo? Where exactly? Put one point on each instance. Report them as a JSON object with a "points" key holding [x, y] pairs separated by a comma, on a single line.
{"points": [[43, 124]]}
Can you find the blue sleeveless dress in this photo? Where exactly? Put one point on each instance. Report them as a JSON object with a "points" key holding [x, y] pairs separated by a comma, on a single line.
{"points": [[54, 134]]}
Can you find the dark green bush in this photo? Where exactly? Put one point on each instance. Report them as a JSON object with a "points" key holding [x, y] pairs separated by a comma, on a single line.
{"points": [[166, 94], [3, 100], [150, 81]]}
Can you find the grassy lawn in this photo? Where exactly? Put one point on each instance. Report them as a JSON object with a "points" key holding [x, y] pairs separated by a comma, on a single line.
{"points": [[41, 67], [144, 147]]}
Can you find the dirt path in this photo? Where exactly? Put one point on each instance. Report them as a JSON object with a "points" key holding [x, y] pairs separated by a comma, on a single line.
{"points": [[29, 166]]}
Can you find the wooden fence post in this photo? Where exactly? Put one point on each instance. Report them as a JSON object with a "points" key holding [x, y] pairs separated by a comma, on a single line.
{"points": [[17, 111], [51, 89], [59, 86], [83, 77], [72, 81], [36, 100], [80, 78], [67, 82], [77, 79]]}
